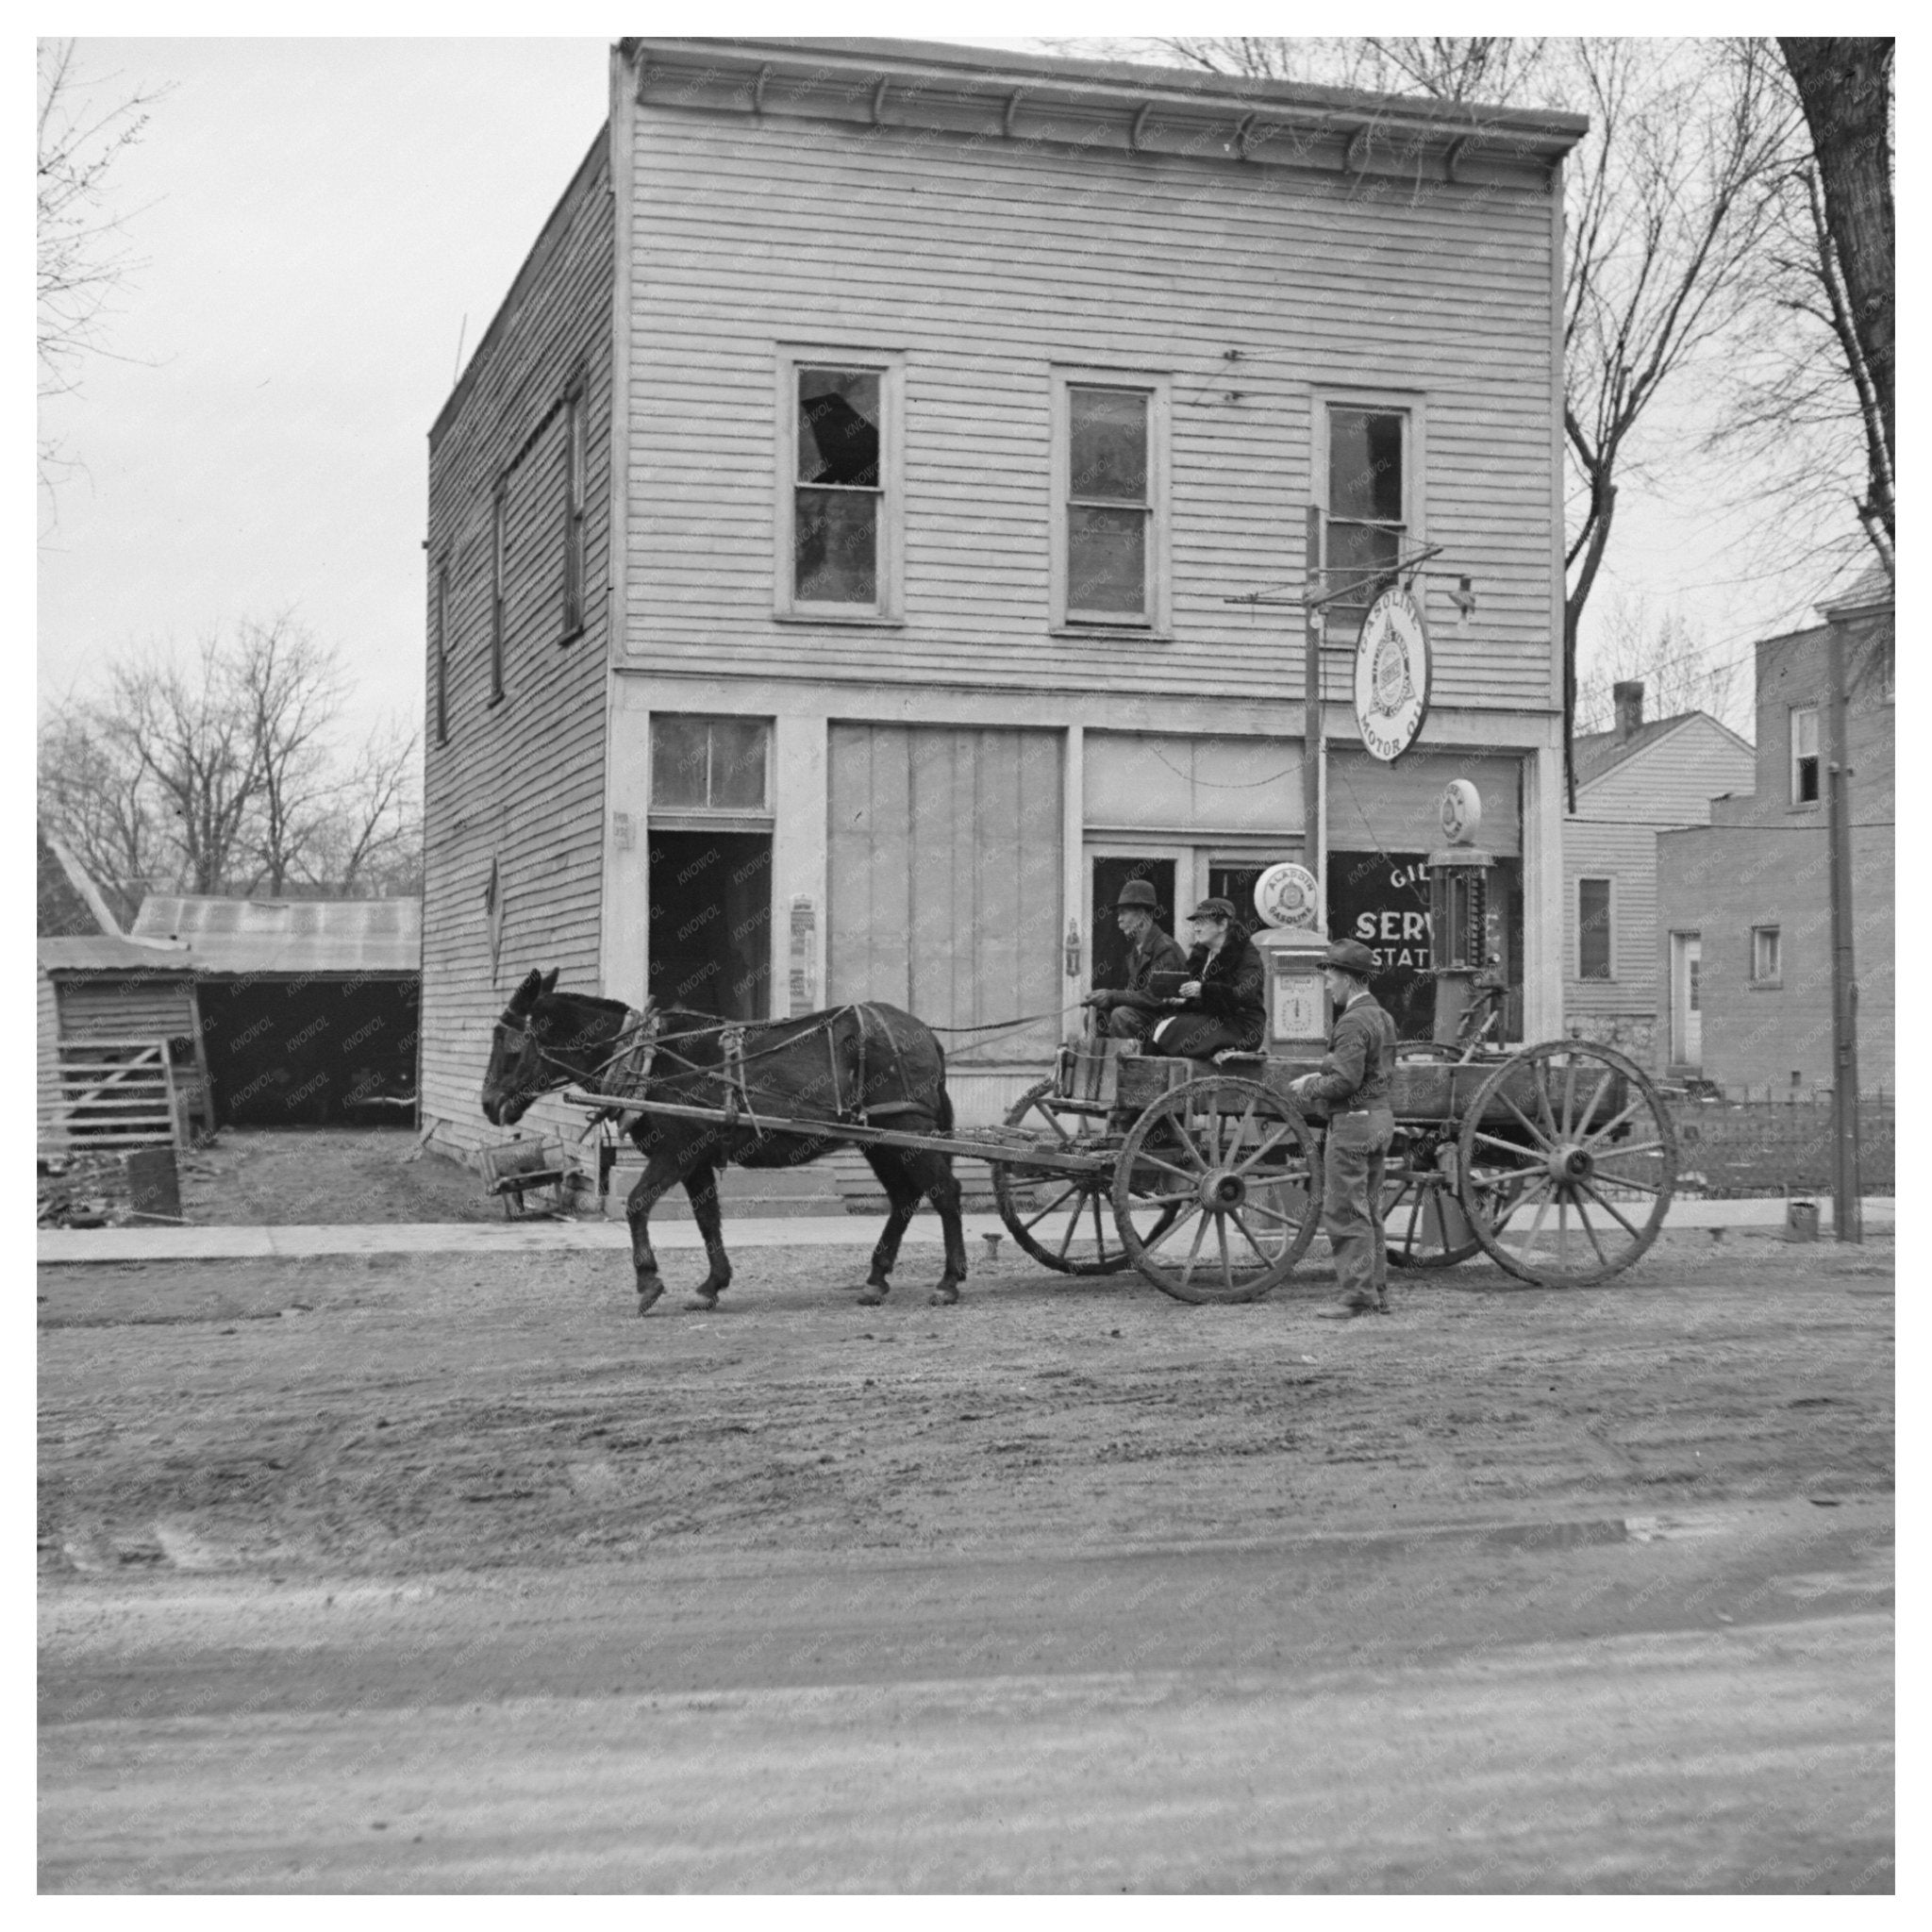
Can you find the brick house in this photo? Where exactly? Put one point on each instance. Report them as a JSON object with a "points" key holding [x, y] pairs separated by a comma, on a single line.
{"points": [[1747, 898], [1637, 779]]}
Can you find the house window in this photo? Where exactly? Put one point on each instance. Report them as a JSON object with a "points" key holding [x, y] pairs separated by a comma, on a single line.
{"points": [[499, 542], [1767, 956], [574, 496], [1805, 755], [440, 620], [1367, 512], [1109, 460], [709, 764], [1596, 935], [840, 499]]}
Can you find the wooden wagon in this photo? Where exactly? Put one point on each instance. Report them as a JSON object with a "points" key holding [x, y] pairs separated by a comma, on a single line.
{"points": [[1558, 1161]]}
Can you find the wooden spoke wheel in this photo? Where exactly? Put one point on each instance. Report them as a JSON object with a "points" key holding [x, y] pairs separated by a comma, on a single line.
{"points": [[1422, 1222], [1233, 1171], [1066, 1222], [1568, 1162]]}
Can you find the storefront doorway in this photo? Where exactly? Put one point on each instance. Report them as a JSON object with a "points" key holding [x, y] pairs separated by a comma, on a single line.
{"points": [[711, 922]]}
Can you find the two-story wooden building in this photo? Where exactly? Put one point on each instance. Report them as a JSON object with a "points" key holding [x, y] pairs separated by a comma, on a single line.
{"points": [[832, 542]]}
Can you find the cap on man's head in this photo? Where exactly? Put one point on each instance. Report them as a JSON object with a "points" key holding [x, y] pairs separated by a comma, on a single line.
{"points": [[1351, 955], [1213, 909], [1137, 894]]}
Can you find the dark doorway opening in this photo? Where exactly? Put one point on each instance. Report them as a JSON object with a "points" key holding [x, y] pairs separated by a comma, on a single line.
{"points": [[1109, 942], [307, 1052], [711, 922]]}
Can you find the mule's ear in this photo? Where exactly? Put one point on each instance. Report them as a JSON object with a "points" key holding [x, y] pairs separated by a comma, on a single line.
{"points": [[549, 980], [527, 989]]}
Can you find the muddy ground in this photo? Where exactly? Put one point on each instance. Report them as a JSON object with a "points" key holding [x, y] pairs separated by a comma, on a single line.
{"points": [[318, 1540], [269, 1177]]}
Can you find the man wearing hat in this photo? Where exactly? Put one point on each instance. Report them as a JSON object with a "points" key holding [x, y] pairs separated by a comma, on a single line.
{"points": [[1129, 1011], [1223, 1004], [1353, 1086]]}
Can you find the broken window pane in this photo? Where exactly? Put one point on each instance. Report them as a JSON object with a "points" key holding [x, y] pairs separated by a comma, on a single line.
{"points": [[837, 559], [1108, 439], [1106, 561], [1365, 465], [838, 427]]}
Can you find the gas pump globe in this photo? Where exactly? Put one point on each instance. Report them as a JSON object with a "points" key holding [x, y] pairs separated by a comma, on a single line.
{"points": [[1459, 909]]}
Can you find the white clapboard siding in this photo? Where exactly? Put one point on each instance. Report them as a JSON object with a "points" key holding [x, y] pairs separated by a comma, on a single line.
{"points": [[132, 1006], [945, 880], [1666, 783], [987, 265], [519, 782]]}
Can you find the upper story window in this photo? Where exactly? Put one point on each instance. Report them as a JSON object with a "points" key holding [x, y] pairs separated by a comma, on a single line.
{"points": [[499, 572], [840, 509], [1805, 755], [710, 764], [576, 498], [439, 619], [1368, 512], [1110, 499], [1767, 956], [1596, 953]]}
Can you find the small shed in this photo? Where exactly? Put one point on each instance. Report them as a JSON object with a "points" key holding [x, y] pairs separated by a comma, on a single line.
{"points": [[307, 1006]]}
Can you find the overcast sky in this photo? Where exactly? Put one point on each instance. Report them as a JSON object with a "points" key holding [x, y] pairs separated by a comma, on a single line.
{"points": [[317, 224]]}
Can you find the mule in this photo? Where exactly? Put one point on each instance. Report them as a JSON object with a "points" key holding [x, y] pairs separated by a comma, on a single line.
{"points": [[849, 1062]]}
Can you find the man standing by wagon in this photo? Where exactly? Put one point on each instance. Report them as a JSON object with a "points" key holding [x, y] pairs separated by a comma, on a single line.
{"points": [[1353, 1085], [1127, 1013]]}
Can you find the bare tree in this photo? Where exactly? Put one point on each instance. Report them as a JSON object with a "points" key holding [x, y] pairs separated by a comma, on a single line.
{"points": [[1665, 655], [96, 798], [291, 688], [371, 845], [1845, 89], [80, 260], [224, 774]]}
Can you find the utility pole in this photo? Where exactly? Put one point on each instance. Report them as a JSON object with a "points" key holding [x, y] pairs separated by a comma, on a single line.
{"points": [[1846, 1216], [1314, 614]]}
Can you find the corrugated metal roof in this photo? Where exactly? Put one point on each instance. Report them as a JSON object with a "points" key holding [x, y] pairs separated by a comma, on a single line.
{"points": [[110, 953], [290, 935]]}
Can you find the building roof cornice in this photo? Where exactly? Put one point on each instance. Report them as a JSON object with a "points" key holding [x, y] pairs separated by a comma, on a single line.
{"points": [[1109, 107]]}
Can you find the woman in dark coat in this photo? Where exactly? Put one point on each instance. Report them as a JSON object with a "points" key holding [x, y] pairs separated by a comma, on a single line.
{"points": [[1225, 1001]]}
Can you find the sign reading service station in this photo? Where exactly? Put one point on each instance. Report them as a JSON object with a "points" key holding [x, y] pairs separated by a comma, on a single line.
{"points": [[1391, 674]]}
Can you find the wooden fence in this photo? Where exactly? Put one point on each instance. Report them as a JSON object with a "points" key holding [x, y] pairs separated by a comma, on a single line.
{"points": [[1732, 1148], [107, 1095]]}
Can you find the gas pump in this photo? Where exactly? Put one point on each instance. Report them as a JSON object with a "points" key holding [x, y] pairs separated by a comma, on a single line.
{"points": [[1293, 944], [1458, 912]]}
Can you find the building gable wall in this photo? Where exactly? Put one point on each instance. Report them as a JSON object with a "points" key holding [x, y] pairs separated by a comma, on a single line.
{"points": [[517, 790]]}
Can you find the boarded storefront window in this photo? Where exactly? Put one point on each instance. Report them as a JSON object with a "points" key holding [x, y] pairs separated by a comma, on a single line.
{"points": [[945, 866]]}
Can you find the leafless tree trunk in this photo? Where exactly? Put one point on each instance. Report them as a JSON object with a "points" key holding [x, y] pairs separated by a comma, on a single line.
{"points": [[292, 686], [1845, 86]]}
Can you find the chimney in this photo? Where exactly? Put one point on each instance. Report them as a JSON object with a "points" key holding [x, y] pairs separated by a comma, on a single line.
{"points": [[1629, 699]]}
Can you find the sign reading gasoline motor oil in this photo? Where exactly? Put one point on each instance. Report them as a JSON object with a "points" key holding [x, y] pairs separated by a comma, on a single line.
{"points": [[1391, 676]]}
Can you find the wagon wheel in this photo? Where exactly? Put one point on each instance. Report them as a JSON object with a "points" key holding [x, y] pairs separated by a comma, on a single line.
{"points": [[1570, 1145], [1065, 1221], [1234, 1171], [1422, 1222]]}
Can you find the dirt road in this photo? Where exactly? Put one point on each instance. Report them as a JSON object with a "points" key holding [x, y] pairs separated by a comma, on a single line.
{"points": [[439, 1577]]}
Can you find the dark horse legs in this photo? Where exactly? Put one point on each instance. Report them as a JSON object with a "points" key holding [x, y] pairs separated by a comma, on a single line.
{"points": [[911, 1176]]}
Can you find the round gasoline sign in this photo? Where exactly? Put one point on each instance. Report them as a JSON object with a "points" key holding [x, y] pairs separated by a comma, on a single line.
{"points": [[1391, 674], [1288, 894]]}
